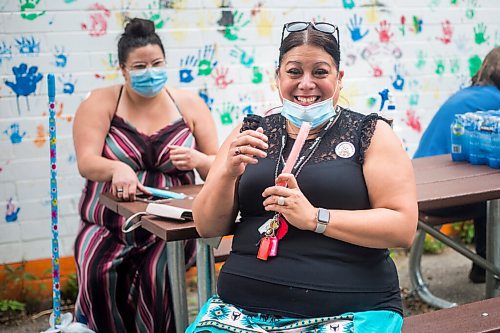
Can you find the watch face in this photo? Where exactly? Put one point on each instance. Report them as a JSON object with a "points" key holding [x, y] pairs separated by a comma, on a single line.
{"points": [[323, 215]]}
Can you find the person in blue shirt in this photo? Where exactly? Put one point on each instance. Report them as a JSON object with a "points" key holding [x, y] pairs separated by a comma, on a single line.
{"points": [[482, 95]]}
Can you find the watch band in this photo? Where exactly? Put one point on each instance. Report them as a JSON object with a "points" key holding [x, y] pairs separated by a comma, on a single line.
{"points": [[322, 219]]}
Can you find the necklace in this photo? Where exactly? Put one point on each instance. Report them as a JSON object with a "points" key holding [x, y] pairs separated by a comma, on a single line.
{"points": [[303, 159]]}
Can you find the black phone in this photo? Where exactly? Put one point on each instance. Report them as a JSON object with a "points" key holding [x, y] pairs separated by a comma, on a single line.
{"points": [[150, 198]]}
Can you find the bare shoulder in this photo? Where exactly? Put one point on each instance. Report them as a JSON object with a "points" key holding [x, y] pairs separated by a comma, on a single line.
{"points": [[185, 97], [101, 101]]}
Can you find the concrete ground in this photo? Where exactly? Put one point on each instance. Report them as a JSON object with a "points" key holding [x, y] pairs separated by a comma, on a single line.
{"points": [[446, 274]]}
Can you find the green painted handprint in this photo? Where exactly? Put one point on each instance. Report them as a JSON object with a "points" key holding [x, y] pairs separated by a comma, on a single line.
{"points": [[257, 75], [420, 59], [439, 66], [474, 64], [232, 30], [455, 65], [479, 34], [228, 111], [155, 15], [27, 6]]}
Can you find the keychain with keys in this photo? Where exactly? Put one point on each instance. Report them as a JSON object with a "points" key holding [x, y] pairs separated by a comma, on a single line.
{"points": [[268, 244]]}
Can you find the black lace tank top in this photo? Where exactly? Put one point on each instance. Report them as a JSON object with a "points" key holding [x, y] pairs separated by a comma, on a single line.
{"points": [[313, 275]]}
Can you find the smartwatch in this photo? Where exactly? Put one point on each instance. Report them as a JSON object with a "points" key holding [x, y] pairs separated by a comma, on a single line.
{"points": [[322, 220]]}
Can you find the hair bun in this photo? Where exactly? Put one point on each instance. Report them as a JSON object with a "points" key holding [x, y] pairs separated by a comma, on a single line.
{"points": [[138, 27]]}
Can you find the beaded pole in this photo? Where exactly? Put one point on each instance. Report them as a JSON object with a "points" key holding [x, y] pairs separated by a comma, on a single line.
{"points": [[56, 291]]}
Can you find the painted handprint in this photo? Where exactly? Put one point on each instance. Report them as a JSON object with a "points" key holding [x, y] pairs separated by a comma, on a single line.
{"points": [[41, 136], [61, 58], [414, 96], [384, 96], [354, 27], [98, 20], [207, 62], [471, 6], [243, 57], [228, 113], [28, 9], [257, 75], [26, 82], [462, 43], [188, 64], [348, 4], [11, 212], [155, 15], [447, 32], [68, 83], [220, 77], [264, 22], [14, 134], [28, 45], [111, 67], [474, 64], [421, 61], [455, 65], [413, 121], [479, 34], [232, 31], [417, 25], [209, 101], [439, 66], [247, 108], [384, 33], [398, 80], [5, 52]]}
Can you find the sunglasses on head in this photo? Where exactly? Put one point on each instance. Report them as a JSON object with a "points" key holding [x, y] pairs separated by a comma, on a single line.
{"points": [[324, 27]]}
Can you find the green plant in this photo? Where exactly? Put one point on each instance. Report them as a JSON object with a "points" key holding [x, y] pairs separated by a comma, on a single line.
{"points": [[465, 231], [17, 277], [432, 245], [70, 290], [11, 305]]}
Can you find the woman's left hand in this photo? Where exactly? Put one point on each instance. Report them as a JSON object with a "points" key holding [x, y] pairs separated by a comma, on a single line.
{"points": [[184, 158], [290, 202]]}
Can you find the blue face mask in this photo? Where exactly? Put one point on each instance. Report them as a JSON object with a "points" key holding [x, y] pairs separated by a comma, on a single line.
{"points": [[148, 82], [316, 114]]}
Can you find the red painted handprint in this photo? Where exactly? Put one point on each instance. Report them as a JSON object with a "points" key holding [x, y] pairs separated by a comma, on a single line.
{"points": [[99, 20], [384, 33], [447, 32], [413, 121], [220, 77]]}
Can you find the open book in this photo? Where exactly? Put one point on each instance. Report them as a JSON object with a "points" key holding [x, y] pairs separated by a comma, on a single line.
{"points": [[168, 211]]}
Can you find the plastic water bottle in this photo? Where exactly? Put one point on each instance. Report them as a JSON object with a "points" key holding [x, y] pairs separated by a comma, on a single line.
{"points": [[478, 140], [459, 146], [494, 153]]}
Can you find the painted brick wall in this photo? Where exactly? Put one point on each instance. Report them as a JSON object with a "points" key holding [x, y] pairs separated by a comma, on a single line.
{"points": [[421, 51]]}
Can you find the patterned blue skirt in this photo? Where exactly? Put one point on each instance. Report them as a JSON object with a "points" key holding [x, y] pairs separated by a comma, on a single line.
{"points": [[217, 316]]}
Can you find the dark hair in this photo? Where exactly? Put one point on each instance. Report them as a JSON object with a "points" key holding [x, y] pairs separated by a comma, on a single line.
{"points": [[313, 37], [489, 72], [138, 33]]}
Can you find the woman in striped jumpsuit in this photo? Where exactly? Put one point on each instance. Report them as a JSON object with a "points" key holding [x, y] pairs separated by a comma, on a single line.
{"points": [[128, 136]]}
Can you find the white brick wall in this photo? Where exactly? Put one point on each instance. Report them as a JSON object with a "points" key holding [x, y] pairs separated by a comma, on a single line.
{"points": [[52, 33]]}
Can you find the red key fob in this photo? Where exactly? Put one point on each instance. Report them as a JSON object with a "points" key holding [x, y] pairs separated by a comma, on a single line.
{"points": [[264, 248], [273, 250], [283, 229]]}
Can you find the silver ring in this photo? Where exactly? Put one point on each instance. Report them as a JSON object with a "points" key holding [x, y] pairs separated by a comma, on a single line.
{"points": [[119, 190], [281, 201], [237, 151]]}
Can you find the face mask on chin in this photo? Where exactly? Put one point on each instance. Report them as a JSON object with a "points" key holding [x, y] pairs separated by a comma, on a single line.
{"points": [[148, 82], [315, 114]]}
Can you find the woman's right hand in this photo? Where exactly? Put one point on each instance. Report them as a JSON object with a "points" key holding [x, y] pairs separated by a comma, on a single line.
{"points": [[245, 149], [124, 182]]}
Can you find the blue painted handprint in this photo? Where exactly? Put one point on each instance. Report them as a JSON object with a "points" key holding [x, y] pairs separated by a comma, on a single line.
{"points": [[11, 212], [398, 80], [61, 58], [5, 52], [209, 101], [13, 133], [188, 64], [384, 94], [26, 81], [243, 57], [27, 45], [68, 83], [354, 27]]}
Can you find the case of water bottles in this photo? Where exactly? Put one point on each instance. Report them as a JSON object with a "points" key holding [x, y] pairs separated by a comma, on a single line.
{"points": [[475, 137]]}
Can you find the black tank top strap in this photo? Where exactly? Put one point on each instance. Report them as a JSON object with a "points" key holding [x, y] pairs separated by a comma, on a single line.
{"points": [[173, 100], [118, 100]]}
